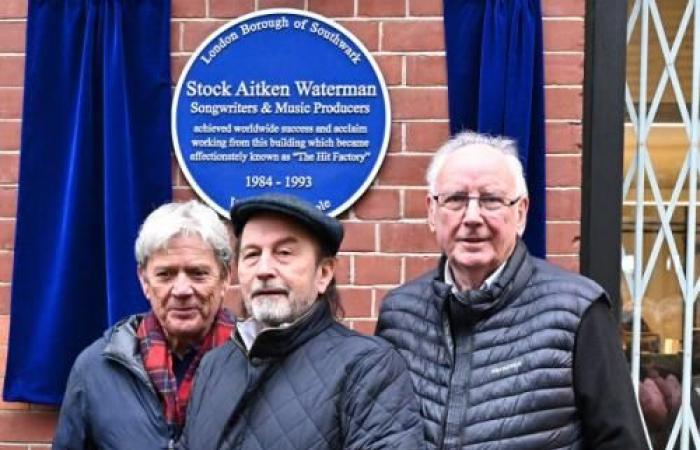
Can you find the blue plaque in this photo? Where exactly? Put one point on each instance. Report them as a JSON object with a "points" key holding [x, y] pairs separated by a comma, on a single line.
{"points": [[281, 100]]}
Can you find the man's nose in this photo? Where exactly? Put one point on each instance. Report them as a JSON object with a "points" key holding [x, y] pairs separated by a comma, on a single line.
{"points": [[265, 268], [182, 285], [472, 212]]}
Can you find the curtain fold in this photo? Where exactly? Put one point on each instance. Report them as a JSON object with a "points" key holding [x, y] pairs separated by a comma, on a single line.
{"points": [[496, 86], [95, 160]]}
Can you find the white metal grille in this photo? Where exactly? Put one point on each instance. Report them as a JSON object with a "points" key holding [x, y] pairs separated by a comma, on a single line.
{"points": [[650, 201]]}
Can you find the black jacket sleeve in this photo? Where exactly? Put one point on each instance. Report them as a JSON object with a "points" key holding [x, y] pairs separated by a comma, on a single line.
{"points": [[603, 386]]}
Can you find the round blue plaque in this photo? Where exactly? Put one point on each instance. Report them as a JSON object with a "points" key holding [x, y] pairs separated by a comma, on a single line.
{"points": [[281, 100]]}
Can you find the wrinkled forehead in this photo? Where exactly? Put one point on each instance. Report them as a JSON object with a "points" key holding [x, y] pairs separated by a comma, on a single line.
{"points": [[476, 168]]}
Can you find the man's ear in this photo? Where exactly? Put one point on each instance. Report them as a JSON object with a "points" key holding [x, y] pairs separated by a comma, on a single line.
{"points": [[143, 279], [325, 273], [431, 206], [522, 208]]}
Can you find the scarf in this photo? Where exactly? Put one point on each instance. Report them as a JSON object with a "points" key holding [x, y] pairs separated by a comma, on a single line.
{"points": [[158, 362]]}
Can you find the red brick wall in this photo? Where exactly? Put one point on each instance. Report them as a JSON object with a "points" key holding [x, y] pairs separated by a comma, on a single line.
{"points": [[387, 239]]}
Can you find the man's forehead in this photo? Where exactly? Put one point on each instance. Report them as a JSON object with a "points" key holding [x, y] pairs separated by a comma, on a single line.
{"points": [[476, 163]]}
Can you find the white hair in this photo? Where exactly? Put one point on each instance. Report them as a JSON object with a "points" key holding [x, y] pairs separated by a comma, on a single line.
{"points": [[183, 219], [506, 146]]}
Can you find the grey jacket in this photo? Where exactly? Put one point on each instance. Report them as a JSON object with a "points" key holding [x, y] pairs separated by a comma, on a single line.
{"points": [[110, 402], [493, 369]]}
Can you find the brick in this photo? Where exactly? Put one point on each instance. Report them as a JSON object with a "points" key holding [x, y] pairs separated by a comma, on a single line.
{"points": [[563, 171], [10, 135], [419, 265], [365, 327], [378, 204], [563, 103], [11, 71], [381, 8], [299, 4], [377, 269], [10, 103], [425, 8], [414, 205], [396, 138], [562, 137], [404, 170], [176, 36], [230, 9], [177, 65], [391, 67], [188, 8], [426, 70], [418, 103], [563, 204], [27, 426], [9, 168], [359, 237], [426, 136], [6, 259], [13, 9], [194, 33], [342, 269], [7, 234], [563, 35], [567, 262], [12, 36], [335, 8], [3, 365], [4, 329], [379, 296], [406, 238], [413, 36], [5, 299], [553, 8], [11, 406], [367, 32], [356, 302], [563, 238], [563, 68]]}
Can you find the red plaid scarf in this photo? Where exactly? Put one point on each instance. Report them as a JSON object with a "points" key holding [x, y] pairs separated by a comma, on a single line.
{"points": [[157, 360]]}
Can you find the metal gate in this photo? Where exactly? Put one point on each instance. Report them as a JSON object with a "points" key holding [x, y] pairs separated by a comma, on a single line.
{"points": [[660, 278]]}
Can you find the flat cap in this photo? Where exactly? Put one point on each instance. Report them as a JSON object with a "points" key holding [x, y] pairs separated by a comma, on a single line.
{"points": [[328, 230]]}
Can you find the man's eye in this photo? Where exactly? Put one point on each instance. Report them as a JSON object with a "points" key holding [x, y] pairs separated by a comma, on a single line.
{"points": [[284, 252], [455, 199]]}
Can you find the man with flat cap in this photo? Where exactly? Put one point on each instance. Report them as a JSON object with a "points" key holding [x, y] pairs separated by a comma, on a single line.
{"points": [[292, 377]]}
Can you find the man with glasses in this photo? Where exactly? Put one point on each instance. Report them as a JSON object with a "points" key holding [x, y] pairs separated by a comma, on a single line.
{"points": [[505, 350]]}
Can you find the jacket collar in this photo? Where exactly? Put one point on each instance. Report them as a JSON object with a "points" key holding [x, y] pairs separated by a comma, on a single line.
{"points": [[280, 341], [477, 304]]}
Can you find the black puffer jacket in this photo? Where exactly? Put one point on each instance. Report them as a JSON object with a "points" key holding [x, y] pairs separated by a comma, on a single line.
{"points": [[493, 369], [313, 385]]}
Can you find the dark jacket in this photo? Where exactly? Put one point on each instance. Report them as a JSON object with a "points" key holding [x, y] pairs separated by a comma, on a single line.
{"points": [[493, 369], [110, 402], [312, 385]]}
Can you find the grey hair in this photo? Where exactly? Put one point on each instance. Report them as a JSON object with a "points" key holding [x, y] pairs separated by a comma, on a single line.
{"points": [[183, 219], [468, 138]]}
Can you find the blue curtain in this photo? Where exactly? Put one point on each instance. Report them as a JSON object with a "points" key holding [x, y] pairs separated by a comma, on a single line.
{"points": [[95, 159], [495, 85]]}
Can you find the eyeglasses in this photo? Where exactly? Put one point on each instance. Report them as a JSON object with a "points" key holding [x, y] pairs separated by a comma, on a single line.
{"points": [[457, 201]]}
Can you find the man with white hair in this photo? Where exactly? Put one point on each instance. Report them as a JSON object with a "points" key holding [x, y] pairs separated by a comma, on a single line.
{"points": [[131, 387], [505, 350]]}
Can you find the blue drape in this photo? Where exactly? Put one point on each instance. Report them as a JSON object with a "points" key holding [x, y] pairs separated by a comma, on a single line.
{"points": [[495, 85], [95, 159]]}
